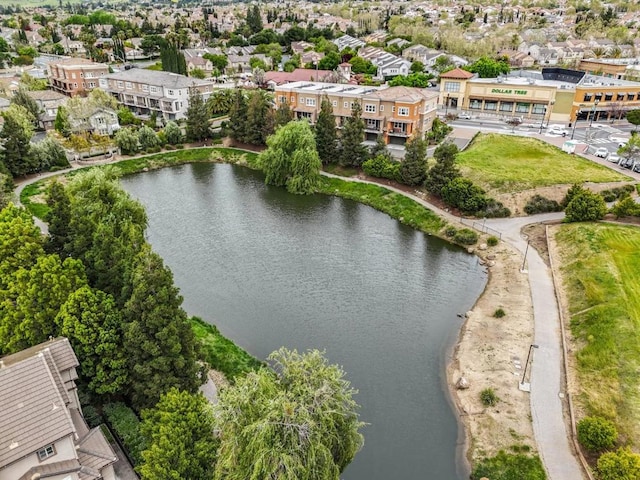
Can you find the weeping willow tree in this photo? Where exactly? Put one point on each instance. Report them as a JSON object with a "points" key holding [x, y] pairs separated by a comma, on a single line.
{"points": [[298, 422], [291, 159]]}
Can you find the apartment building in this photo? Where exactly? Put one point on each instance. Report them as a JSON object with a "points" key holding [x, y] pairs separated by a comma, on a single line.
{"points": [[148, 91], [75, 76], [395, 112]]}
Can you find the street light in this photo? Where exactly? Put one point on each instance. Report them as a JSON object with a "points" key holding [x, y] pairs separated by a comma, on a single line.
{"points": [[446, 106], [526, 386], [575, 122], [595, 104], [544, 114]]}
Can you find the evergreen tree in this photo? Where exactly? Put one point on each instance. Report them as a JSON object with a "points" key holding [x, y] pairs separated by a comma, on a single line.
{"points": [[147, 138], [15, 137], [159, 342], [197, 117], [444, 171], [181, 443], [413, 169], [291, 158], [22, 98], [353, 152], [237, 125], [58, 218], [257, 129], [173, 133], [254, 19], [380, 148], [92, 322], [283, 114], [326, 137]]}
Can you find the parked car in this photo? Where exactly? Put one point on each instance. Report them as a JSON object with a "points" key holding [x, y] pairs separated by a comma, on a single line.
{"points": [[613, 158], [636, 167], [601, 152], [557, 130], [464, 116]]}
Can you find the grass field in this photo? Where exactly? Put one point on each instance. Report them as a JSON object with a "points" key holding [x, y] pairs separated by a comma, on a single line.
{"points": [[601, 274], [509, 164]]}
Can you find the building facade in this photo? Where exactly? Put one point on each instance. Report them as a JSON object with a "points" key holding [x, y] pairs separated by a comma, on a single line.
{"points": [[396, 113], [44, 434], [75, 76], [149, 91]]}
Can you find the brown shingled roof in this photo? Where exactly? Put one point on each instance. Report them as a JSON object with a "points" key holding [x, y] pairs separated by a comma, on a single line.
{"points": [[457, 73]]}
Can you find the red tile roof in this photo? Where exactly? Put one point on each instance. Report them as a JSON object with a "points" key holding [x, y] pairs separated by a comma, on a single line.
{"points": [[457, 73], [298, 75]]}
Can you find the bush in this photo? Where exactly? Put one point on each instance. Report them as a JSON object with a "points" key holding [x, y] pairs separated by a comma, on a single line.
{"points": [[586, 206], [450, 231], [488, 397], [608, 195], [463, 194], [126, 426], [509, 466], [626, 207], [572, 192], [616, 193], [499, 313], [382, 167], [91, 416], [540, 204], [596, 434], [465, 236], [492, 241], [620, 465], [494, 209]]}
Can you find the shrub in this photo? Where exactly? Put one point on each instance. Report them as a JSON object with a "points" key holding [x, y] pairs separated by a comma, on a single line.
{"points": [[509, 466], [572, 192], [626, 207], [91, 416], [499, 313], [494, 209], [382, 167], [492, 241], [608, 195], [450, 231], [620, 465], [126, 426], [586, 206], [596, 434], [540, 204], [463, 194], [465, 236], [488, 397]]}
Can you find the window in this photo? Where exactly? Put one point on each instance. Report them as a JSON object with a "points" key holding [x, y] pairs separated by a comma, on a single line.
{"points": [[73, 75], [598, 96], [539, 108], [293, 99], [475, 104], [75, 85], [311, 102], [382, 108], [522, 107], [451, 86], [46, 452], [630, 96], [153, 89], [282, 99], [608, 96], [84, 85], [145, 87], [488, 105], [393, 109], [403, 111], [120, 84], [170, 92], [620, 97], [506, 106], [370, 108], [81, 75], [587, 97], [398, 126], [92, 84], [128, 85], [302, 100], [346, 105], [334, 103]]}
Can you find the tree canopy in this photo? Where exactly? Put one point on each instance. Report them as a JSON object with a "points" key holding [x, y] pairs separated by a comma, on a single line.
{"points": [[326, 137], [487, 67]]}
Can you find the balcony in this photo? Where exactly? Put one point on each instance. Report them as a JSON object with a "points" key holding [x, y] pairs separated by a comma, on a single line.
{"points": [[399, 131], [372, 126]]}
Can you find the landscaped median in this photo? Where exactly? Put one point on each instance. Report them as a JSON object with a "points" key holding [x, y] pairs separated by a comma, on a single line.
{"points": [[599, 268]]}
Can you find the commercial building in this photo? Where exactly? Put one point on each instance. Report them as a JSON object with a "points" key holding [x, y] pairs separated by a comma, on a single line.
{"points": [[75, 76], [394, 112], [44, 434], [148, 91], [554, 94]]}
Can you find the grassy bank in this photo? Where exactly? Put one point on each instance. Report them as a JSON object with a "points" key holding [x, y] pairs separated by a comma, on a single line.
{"points": [[601, 275], [510, 164]]}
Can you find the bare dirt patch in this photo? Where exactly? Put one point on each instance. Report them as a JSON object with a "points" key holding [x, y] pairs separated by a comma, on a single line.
{"points": [[491, 353]]}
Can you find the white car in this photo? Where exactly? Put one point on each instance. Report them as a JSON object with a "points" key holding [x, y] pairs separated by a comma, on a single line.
{"points": [[601, 152], [464, 116], [557, 130], [613, 158]]}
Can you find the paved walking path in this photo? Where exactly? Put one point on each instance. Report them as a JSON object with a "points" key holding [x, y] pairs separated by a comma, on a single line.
{"points": [[549, 426]]}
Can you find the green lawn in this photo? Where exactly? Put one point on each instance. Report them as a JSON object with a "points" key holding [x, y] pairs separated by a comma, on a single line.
{"points": [[509, 164], [601, 273]]}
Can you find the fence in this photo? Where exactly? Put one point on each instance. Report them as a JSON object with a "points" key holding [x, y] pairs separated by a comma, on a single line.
{"points": [[481, 227]]}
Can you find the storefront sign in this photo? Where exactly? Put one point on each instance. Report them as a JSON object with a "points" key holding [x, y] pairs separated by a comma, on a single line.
{"points": [[508, 91]]}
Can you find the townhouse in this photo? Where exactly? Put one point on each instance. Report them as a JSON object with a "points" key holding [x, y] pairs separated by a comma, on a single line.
{"points": [[388, 64], [75, 76], [149, 91], [396, 113], [48, 102]]}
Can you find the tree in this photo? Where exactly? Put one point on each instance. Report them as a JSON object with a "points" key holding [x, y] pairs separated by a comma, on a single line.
{"points": [[219, 62], [180, 438], [220, 101], [300, 422], [283, 114], [159, 343], [586, 206], [22, 98], [237, 126], [254, 19], [417, 67], [291, 158], [197, 73], [420, 80], [197, 117], [15, 137], [362, 65], [47, 154], [173, 133], [622, 464], [631, 149], [443, 64], [380, 148], [413, 169], [61, 124], [172, 59], [34, 298], [633, 117], [147, 138], [330, 61], [326, 137], [463, 194], [58, 218], [126, 116], [93, 324], [353, 152], [487, 67], [127, 141], [259, 123]]}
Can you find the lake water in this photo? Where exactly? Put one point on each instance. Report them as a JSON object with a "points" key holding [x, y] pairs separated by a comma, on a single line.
{"points": [[273, 269]]}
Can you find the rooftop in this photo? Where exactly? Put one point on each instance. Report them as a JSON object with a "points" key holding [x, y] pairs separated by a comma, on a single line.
{"points": [[154, 77]]}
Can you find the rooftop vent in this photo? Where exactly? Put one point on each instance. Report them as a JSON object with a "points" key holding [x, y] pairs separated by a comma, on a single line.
{"points": [[13, 445]]}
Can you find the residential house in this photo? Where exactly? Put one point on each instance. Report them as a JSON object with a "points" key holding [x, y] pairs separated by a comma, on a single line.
{"points": [[301, 47], [428, 56], [273, 79], [48, 102], [388, 64], [518, 59], [348, 41], [99, 120], [72, 47], [399, 42], [75, 76], [377, 37], [242, 63], [148, 91], [311, 57], [393, 112], [44, 434]]}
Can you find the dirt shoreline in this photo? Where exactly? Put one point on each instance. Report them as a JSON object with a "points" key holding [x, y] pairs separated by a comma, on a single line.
{"points": [[490, 353]]}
